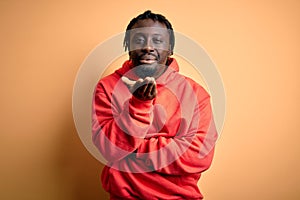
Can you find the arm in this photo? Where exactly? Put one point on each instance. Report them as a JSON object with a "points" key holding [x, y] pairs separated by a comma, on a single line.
{"points": [[118, 132], [191, 150], [125, 135]]}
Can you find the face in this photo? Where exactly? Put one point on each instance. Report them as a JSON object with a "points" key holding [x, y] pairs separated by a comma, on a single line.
{"points": [[149, 47]]}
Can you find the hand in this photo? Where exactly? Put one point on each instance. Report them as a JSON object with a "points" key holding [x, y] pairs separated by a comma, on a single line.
{"points": [[143, 89]]}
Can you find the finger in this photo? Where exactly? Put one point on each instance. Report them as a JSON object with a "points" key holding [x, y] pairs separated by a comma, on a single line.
{"points": [[142, 84], [150, 79], [143, 89], [149, 89], [139, 83], [153, 91]]}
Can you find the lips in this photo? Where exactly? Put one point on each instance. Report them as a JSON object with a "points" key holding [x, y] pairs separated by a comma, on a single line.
{"points": [[147, 59]]}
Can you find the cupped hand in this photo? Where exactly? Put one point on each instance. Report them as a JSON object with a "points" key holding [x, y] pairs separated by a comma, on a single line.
{"points": [[143, 89]]}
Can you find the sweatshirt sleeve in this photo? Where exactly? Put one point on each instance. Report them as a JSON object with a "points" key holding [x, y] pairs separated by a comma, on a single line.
{"points": [[117, 132], [191, 150]]}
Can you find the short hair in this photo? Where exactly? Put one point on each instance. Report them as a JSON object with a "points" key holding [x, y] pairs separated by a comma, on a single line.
{"points": [[155, 17]]}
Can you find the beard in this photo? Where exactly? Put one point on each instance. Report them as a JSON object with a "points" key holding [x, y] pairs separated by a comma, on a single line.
{"points": [[146, 70]]}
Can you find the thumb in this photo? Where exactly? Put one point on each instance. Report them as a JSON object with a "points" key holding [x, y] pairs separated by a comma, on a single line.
{"points": [[131, 84], [127, 81]]}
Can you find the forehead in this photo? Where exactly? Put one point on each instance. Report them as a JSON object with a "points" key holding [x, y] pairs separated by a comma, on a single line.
{"points": [[148, 23], [148, 26]]}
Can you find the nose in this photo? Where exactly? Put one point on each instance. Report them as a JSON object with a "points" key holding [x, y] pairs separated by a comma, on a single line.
{"points": [[148, 47]]}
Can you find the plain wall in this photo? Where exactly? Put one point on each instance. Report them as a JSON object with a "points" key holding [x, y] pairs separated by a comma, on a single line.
{"points": [[255, 45]]}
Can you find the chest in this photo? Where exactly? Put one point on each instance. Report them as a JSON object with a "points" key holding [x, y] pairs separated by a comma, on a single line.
{"points": [[171, 106]]}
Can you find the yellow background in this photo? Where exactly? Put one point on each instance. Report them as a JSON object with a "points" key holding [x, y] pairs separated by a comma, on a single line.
{"points": [[255, 45]]}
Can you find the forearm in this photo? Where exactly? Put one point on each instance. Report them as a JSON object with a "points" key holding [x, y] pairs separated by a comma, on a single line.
{"points": [[118, 133], [189, 151], [175, 155]]}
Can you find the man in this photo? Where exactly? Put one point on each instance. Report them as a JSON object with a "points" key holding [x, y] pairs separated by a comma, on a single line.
{"points": [[153, 126]]}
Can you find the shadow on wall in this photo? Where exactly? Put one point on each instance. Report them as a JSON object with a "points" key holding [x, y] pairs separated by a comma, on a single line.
{"points": [[79, 172]]}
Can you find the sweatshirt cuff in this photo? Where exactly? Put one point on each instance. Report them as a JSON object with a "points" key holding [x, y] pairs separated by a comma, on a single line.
{"points": [[140, 106]]}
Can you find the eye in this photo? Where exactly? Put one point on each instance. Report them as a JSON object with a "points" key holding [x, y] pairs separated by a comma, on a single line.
{"points": [[157, 41], [139, 40]]}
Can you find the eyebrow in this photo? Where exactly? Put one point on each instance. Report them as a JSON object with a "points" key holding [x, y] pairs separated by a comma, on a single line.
{"points": [[140, 33]]}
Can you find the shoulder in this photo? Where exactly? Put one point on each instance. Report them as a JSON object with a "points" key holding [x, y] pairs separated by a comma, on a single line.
{"points": [[107, 82]]}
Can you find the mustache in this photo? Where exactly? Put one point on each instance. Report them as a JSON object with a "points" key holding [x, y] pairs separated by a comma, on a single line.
{"points": [[147, 54], [156, 56]]}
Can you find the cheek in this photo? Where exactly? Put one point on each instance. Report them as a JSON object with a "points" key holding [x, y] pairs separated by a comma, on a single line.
{"points": [[132, 54], [164, 56]]}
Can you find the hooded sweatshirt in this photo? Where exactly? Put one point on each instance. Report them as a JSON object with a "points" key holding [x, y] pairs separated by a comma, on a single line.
{"points": [[154, 149]]}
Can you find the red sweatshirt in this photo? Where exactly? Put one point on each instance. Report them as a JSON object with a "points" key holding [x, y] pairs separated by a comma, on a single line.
{"points": [[155, 149]]}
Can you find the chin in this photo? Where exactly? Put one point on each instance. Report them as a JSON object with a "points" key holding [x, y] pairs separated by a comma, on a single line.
{"points": [[145, 70]]}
